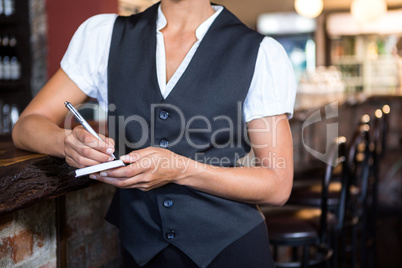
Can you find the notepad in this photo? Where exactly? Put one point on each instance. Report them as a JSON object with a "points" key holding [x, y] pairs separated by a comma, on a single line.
{"points": [[99, 167]]}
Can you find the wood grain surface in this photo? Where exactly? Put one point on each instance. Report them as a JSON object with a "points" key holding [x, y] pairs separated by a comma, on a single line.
{"points": [[27, 178]]}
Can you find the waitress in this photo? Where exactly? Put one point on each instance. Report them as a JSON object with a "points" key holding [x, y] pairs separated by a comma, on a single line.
{"points": [[189, 91]]}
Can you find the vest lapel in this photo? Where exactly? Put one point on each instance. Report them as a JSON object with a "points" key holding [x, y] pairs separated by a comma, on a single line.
{"points": [[199, 61]]}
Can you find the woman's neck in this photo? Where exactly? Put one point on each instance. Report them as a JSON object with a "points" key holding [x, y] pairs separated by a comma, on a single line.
{"points": [[186, 15]]}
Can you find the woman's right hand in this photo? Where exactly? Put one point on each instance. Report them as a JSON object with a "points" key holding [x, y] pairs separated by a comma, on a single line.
{"points": [[82, 149], [40, 126]]}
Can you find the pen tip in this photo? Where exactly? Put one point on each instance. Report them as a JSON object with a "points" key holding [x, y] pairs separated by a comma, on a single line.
{"points": [[66, 102]]}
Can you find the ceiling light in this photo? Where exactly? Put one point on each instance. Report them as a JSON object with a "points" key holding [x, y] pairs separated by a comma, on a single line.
{"points": [[368, 10], [309, 8]]}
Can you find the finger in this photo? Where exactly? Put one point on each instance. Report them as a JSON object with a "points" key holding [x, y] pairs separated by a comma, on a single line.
{"points": [[122, 183], [140, 182], [71, 162], [81, 163], [78, 151], [147, 186], [74, 146], [86, 138], [86, 158], [132, 170], [138, 154], [109, 141]]}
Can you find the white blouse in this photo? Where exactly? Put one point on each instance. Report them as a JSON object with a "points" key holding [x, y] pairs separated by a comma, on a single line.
{"points": [[272, 90]]}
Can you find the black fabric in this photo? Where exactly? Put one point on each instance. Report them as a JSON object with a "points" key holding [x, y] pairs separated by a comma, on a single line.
{"points": [[192, 121], [251, 250], [214, 86]]}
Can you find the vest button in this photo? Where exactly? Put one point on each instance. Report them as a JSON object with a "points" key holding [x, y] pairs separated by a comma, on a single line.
{"points": [[163, 115], [168, 203], [170, 234], [164, 143]]}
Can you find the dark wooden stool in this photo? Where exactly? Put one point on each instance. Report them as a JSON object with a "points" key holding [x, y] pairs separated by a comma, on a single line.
{"points": [[307, 227]]}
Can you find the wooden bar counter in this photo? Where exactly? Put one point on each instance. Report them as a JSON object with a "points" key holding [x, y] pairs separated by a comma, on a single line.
{"points": [[26, 178], [50, 218]]}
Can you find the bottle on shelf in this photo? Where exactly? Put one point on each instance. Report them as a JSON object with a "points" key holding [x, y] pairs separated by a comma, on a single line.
{"points": [[1, 57], [15, 66], [1, 116], [6, 68], [1, 8], [15, 60], [10, 66], [9, 8], [14, 115], [6, 118], [6, 64], [9, 115]]}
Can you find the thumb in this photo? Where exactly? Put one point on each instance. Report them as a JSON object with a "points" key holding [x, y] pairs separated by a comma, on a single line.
{"points": [[136, 155]]}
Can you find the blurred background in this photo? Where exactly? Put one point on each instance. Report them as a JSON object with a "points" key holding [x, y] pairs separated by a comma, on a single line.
{"points": [[356, 49], [347, 52]]}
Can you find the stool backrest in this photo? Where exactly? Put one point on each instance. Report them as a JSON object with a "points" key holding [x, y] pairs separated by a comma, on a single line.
{"points": [[359, 164], [337, 157], [379, 132]]}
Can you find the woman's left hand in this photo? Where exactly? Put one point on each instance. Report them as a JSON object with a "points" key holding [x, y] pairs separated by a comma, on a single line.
{"points": [[147, 169], [268, 182]]}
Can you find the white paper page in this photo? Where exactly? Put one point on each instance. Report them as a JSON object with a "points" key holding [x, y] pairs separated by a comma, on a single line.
{"points": [[99, 167]]}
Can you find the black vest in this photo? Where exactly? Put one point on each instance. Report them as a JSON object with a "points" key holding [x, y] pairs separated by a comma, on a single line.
{"points": [[200, 119]]}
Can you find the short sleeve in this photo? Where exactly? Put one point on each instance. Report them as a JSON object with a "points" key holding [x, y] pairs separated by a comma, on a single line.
{"points": [[85, 61], [273, 87]]}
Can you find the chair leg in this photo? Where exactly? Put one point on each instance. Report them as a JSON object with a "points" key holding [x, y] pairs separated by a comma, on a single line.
{"points": [[305, 256], [295, 253], [363, 237], [342, 247], [334, 244], [353, 249], [275, 253], [373, 219]]}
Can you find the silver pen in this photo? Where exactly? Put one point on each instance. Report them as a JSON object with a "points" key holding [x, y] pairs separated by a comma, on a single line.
{"points": [[83, 121]]}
